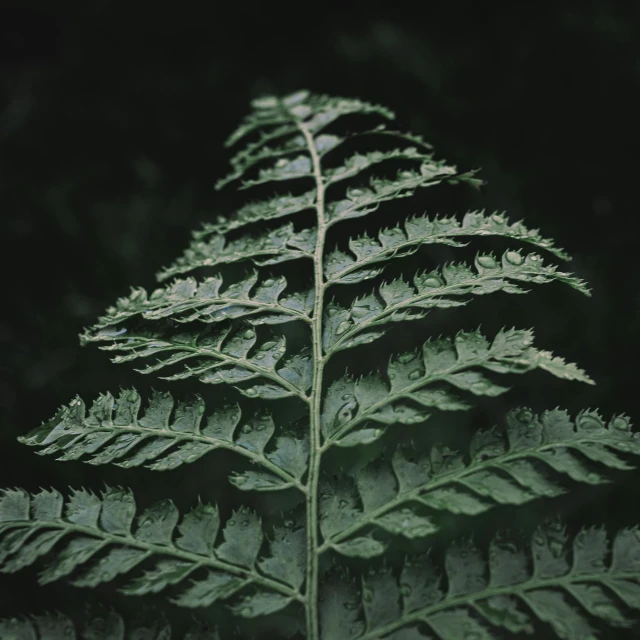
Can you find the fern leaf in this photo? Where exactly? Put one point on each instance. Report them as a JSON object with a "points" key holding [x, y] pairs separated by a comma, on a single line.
{"points": [[343, 268], [513, 466], [511, 591], [359, 162], [446, 362], [271, 111], [92, 538], [188, 300], [397, 300], [271, 247], [99, 624], [169, 435], [221, 355], [361, 201], [259, 211], [209, 331]]}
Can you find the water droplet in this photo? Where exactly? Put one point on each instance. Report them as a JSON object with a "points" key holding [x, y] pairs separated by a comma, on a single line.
{"points": [[245, 523], [405, 174], [414, 375], [343, 327], [367, 595], [406, 358], [268, 282], [556, 548], [248, 334], [232, 523], [487, 262], [405, 590], [289, 524], [332, 312], [261, 427], [391, 376], [347, 396], [350, 606], [247, 428], [251, 392], [246, 611], [620, 424], [513, 257], [432, 282], [239, 480], [342, 504], [359, 312], [132, 397], [200, 409], [498, 217], [593, 477]]}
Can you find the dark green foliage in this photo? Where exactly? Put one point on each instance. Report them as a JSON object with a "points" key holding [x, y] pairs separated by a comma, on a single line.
{"points": [[233, 328]]}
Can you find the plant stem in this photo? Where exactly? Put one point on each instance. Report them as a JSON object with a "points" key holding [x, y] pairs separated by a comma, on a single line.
{"points": [[311, 593]]}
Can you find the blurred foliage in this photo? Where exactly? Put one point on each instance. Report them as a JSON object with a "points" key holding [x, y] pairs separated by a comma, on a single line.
{"points": [[111, 128]]}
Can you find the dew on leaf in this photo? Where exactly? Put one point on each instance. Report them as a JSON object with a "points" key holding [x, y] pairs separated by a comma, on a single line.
{"points": [[513, 257]]}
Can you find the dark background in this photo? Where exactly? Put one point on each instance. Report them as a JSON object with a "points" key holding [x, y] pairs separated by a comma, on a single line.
{"points": [[112, 122]]}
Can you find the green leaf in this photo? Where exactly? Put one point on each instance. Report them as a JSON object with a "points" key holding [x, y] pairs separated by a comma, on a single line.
{"points": [[403, 240], [166, 436], [188, 301], [511, 466], [452, 364], [361, 547], [100, 551], [441, 288], [99, 624], [359, 201], [220, 355], [483, 596], [357, 499], [287, 562], [260, 604], [273, 246]]}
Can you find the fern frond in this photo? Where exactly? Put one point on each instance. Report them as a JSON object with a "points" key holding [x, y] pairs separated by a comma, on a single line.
{"points": [[321, 110], [259, 211], [188, 300], [169, 435], [210, 331], [229, 355], [99, 624], [360, 201], [391, 243], [509, 592], [527, 460], [91, 537], [405, 396], [398, 300], [270, 247]]}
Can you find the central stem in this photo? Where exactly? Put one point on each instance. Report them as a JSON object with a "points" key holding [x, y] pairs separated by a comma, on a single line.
{"points": [[315, 406]]}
